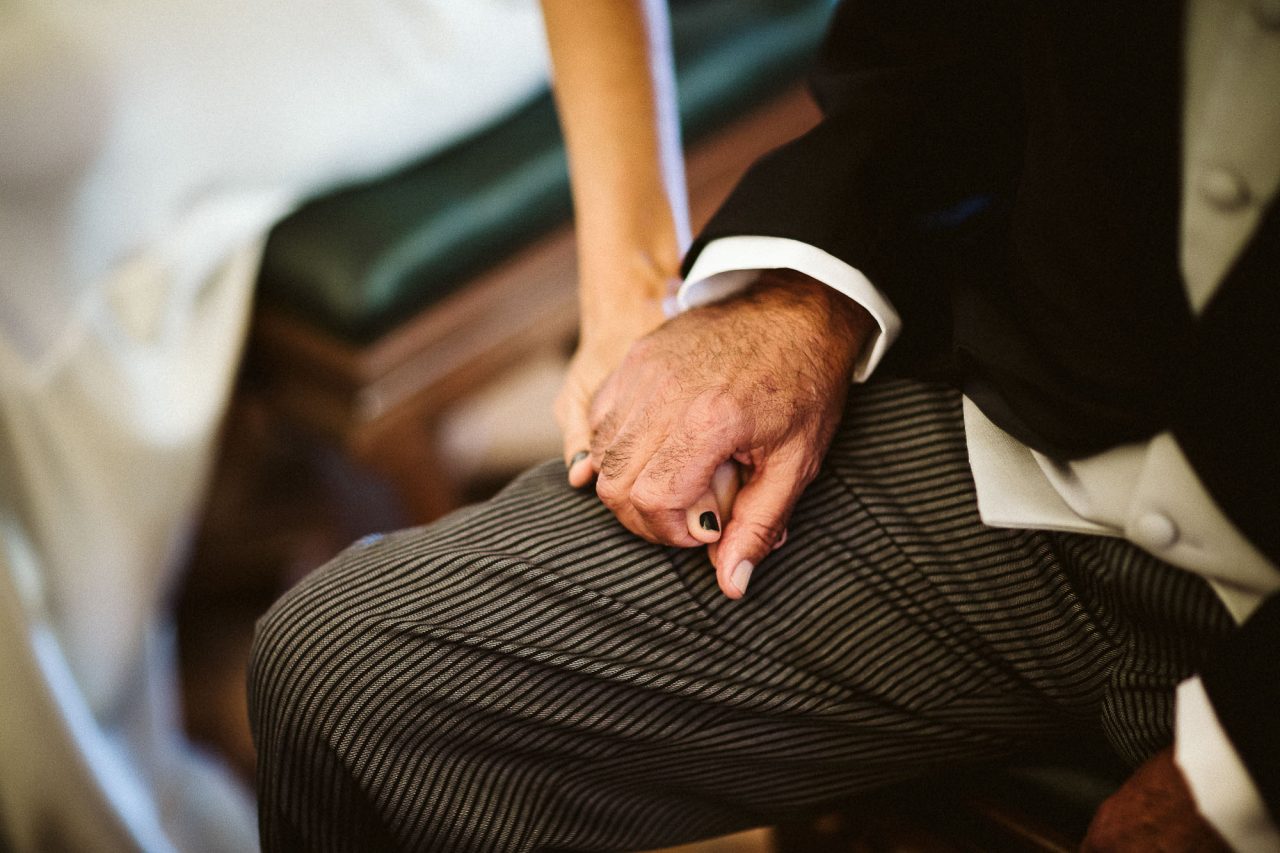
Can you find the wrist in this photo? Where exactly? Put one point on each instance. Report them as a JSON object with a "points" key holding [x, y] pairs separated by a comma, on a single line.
{"points": [[612, 325], [839, 321], [635, 235], [624, 290]]}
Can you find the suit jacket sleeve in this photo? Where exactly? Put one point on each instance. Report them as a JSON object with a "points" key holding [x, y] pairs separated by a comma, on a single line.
{"points": [[905, 177]]}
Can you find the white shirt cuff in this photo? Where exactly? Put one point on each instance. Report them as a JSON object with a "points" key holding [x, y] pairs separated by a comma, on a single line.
{"points": [[728, 265], [1223, 790]]}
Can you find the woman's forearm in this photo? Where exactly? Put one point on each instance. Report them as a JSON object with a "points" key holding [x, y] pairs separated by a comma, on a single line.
{"points": [[614, 85]]}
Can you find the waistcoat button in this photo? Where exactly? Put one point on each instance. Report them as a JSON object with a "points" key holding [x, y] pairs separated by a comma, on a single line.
{"points": [[1224, 189], [1155, 531]]}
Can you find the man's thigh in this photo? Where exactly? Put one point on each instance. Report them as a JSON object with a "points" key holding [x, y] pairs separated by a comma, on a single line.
{"points": [[526, 672]]}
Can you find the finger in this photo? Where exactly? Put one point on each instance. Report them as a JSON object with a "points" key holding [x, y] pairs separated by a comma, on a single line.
{"points": [[605, 402], [676, 480], [614, 437], [725, 483], [580, 470], [621, 463], [759, 518], [577, 450], [703, 518], [577, 441], [603, 420], [602, 436], [679, 474], [713, 548], [624, 439]]}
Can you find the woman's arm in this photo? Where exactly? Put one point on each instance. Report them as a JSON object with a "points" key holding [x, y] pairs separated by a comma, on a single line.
{"points": [[615, 91]]}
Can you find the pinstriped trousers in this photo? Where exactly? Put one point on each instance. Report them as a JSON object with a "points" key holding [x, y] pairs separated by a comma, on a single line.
{"points": [[526, 675]]}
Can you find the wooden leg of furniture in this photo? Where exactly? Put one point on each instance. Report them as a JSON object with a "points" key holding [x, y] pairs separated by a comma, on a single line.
{"points": [[405, 454], [936, 817]]}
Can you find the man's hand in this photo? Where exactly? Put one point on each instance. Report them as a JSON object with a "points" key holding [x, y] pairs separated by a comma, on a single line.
{"points": [[1153, 811], [760, 378]]}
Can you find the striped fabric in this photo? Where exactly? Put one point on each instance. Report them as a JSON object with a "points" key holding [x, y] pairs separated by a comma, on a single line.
{"points": [[526, 675]]}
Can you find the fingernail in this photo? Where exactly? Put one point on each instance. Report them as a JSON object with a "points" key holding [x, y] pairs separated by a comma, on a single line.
{"points": [[578, 457], [741, 576], [708, 521]]}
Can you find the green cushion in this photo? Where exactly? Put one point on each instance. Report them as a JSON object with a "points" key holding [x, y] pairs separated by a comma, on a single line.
{"points": [[1057, 793], [1061, 791], [360, 260], [1062, 796]]}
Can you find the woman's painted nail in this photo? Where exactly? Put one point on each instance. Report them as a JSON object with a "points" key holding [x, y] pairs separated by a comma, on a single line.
{"points": [[578, 457], [709, 521], [741, 576]]}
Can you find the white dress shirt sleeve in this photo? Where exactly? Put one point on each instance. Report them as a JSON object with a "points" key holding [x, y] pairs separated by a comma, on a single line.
{"points": [[728, 265], [1223, 790]]}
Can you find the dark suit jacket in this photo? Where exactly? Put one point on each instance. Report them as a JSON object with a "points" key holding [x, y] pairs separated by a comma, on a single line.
{"points": [[1009, 174]]}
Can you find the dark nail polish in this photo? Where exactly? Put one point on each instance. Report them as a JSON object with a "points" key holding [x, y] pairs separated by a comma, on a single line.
{"points": [[708, 521], [578, 457]]}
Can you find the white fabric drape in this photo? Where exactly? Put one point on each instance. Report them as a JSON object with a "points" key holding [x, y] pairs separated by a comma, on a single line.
{"points": [[146, 148]]}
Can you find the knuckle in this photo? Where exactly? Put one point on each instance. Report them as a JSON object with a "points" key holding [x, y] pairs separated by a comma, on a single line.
{"points": [[807, 473], [800, 463], [667, 527], [627, 516], [648, 497], [610, 491], [609, 495], [715, 412], [616, 458], [613, 464], [764, 532], [703, 414], [599, 444], [662, 478]]}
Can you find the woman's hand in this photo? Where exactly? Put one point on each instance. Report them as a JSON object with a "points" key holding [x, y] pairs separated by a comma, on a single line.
{"points": [[603, 345]]}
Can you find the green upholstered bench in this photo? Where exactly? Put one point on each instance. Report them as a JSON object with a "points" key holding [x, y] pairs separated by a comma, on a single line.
{"points": [[361, 260], [380, 304]]}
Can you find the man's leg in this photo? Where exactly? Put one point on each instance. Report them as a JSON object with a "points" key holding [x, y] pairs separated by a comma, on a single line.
{"points": [[527, 675]]}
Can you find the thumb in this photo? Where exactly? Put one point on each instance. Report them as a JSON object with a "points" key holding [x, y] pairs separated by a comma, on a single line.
{"points": [[576, 429], [759, 521]]}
